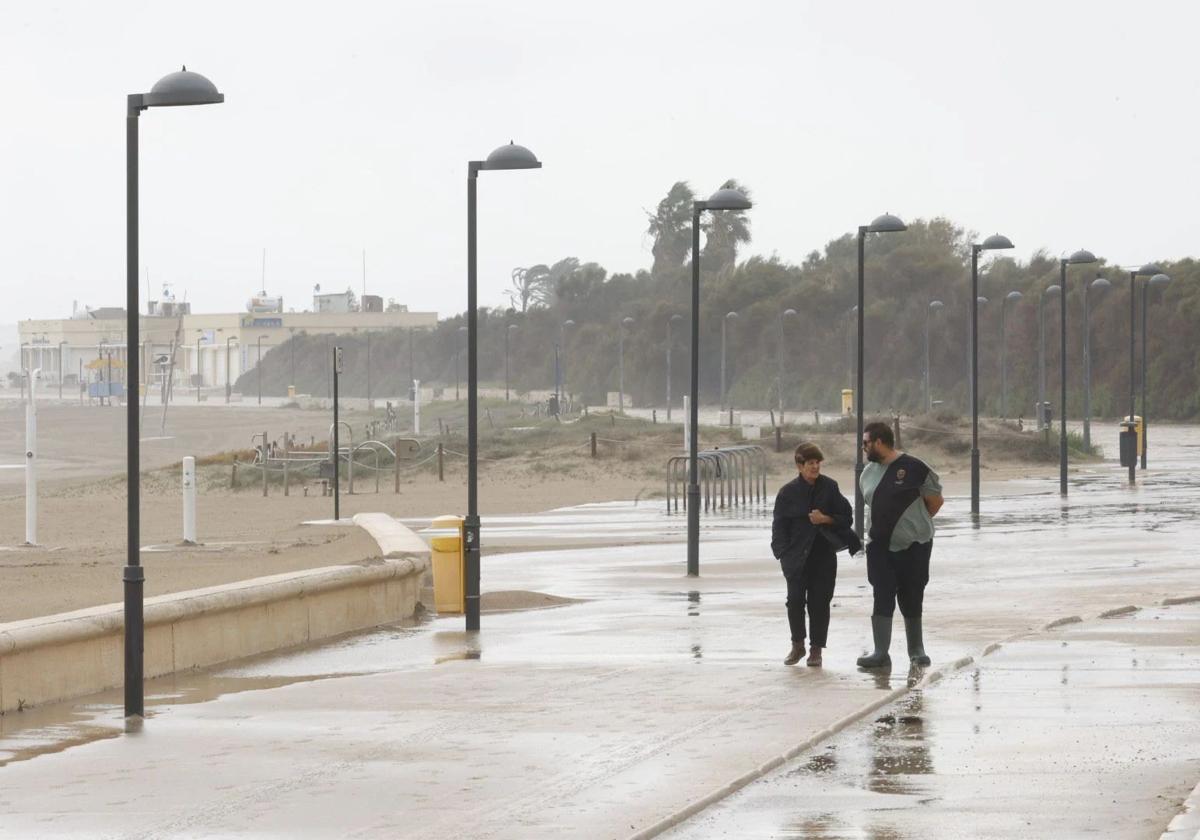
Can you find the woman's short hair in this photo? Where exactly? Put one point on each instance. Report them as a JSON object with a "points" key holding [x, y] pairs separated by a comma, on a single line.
{"points": [[809, 452]]}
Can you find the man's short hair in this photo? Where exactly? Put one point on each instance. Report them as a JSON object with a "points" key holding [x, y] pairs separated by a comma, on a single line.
{"points": [[809, 452], [881, 432]]}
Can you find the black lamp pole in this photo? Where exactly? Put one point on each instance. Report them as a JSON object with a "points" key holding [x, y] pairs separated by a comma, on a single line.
{"points": [[670, 321], [729, 316], [723, 199], [1148, 270], [1012, 297], [887, 223], [1159, 279], [511, 156], [783, 316], [1050, 290], [994, 242], [934, 306], [621, 326], [1080, 257], [182, 88], [507, 333]]}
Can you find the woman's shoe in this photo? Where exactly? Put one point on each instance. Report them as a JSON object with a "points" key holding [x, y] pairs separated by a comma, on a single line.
{"points": [[814, 658], [796, 655]]}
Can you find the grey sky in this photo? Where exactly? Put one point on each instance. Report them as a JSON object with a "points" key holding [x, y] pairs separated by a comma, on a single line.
{"points": [[348, 126]]}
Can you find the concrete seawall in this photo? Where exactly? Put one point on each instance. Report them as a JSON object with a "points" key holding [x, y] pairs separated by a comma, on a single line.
{"points": [[58, 657]]}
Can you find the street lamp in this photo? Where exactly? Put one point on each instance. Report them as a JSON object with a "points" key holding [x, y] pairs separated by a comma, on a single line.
{"points": [[787, 313], [182, 88], [625, 322], [1050, 290], [1098, 285], [673, 319], [935, 306], [1011, 297], [1148, 270], [507, 333], [723, 199], [511, 156], [887, 223], [228, 353], [1080, 257], [1157, 281], [729, 316], [850, 313], [258, 367], [458, 352], [560, 363], [995, 242]]}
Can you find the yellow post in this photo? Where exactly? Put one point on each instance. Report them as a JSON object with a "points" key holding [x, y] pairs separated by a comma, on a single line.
{"points": [[847, 401], [449, 579]]}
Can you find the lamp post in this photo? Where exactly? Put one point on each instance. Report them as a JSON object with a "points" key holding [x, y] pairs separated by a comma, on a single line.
{"points": [[850, 313], [1147, 270], [1097, 286], [723, 199], [1050, 290], [625, 322], [228, 353], [457, 352], [61, 368], [369, 404], [292, 348], [199, 338], [101, 349], [729, 316], [258, 367], [560, 363], [1080, 257], [511, 156], [887, 223], [412, 371], [182, 88], [507, 333], [995, 242], [671, 320], [787, 313], [935, 306], [1157, 281], [1011, 297], [981, 301]]}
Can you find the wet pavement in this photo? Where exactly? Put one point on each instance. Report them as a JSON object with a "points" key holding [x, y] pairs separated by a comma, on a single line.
{"points": [[603, 718]]}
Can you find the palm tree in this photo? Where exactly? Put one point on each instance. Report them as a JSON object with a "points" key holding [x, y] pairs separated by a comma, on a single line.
{"points": [[724, 232], [671, 227], [530, 287]]}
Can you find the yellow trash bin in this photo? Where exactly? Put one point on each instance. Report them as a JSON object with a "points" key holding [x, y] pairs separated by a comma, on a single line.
{"points": [[847, 401], [449, 579], [291, 392], [1137, 421]]}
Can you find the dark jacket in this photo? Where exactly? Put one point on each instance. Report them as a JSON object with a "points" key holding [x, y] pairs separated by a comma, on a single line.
{"points": [[794, 537]]}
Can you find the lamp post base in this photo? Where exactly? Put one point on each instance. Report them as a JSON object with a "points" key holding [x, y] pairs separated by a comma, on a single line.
{"points": [[471, 570], [974, 482], [134, 578], [693, 520]]}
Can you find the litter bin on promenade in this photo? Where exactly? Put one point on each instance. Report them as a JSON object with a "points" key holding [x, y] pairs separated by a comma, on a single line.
{"points": [[449, 579], [847, 401]]}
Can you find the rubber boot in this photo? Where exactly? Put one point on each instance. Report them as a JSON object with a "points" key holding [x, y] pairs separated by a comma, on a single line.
{"points": [[916, 645], [796, 655], [881, 629]]}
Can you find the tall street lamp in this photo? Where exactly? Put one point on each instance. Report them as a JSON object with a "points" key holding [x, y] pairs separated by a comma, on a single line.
{"points": [[560, 362], [182, 88], [1011, 297], [1050, 290], [995, 242], [625, 324], [1080, 257], [1147, 270], [511, 156], [1095, 287], [507, 334], [258, 366], [729, 316], [785, 314], [228, 353], [850, 313], [673, 319], [934, 307], [887, 223], [1157, 281], [723, 199]]}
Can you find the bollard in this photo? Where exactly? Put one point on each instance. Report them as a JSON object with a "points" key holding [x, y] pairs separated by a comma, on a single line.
{"points": [[778, 439], [816, 417], [233, 477], [654, 416], [189, 500], [593, 444], [896, 428], [731, 417], [441, 462], [772, 415]]}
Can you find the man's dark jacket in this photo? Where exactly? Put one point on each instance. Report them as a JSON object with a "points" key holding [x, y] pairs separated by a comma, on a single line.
{"points": [[794, 537]]}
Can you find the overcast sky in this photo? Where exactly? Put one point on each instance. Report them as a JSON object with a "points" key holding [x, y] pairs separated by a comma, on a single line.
{"points": [[348, 125]]}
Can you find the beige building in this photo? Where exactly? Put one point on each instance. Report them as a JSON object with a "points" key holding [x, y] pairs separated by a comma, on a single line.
{"points": [[218, 347]]}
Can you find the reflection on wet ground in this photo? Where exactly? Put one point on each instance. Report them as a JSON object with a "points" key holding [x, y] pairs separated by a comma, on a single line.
{"points": [[1010, 748]]}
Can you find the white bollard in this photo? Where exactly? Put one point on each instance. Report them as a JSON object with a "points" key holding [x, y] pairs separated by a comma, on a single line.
{"points": [[31, 459], [687, 426], [416, 406], [189, 500]]}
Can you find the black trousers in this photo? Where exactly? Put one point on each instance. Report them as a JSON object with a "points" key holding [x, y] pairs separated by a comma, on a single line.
{"points": [[899, 577], [812, 588]]}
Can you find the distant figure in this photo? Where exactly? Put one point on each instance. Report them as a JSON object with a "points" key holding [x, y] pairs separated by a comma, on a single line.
{"points": [[812, 522], [902, 496]]}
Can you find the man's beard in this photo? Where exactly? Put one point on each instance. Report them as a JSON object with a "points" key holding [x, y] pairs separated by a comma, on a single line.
{"points": [[873, 457]]}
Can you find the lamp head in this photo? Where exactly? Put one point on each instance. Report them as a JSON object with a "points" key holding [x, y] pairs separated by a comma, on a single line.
{"points": [[182, 88], [1100, 284], [787, 312], [727, 199], [568, 323], [1014, 296], [729, 316], [1148, 270], [935, 305], [981, 300], [1160, 280], [676, 318], [512, 156], [627, 321], [996, 242], [1052, 290], [887, 223], [1081, 257]]}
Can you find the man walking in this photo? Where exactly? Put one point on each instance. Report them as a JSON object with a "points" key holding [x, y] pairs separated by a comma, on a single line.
{"points": [[902, 496]]}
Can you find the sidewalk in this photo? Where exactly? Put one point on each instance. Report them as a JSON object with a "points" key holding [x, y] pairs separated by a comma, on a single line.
{"points": [[599, 719]]}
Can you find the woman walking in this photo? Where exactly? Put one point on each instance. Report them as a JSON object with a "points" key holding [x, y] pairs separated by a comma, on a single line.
{"points": [[812, 522]]}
